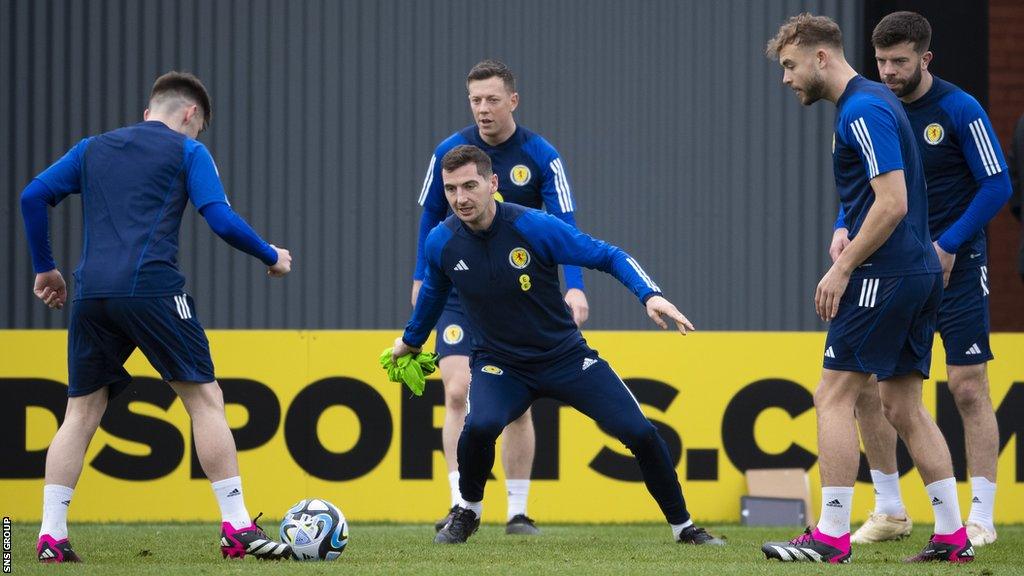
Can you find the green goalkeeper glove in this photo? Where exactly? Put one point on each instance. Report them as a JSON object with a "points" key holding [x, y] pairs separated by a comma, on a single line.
{"points": [[411, 370]]}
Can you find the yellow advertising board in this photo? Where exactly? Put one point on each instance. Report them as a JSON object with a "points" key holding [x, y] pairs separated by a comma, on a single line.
{"points": [[314, 416]]}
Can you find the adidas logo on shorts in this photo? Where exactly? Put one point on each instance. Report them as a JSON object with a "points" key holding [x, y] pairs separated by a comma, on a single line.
{"points": [[869, 292], [588, 362], [973, 350], [181, 303], [829, 353]]}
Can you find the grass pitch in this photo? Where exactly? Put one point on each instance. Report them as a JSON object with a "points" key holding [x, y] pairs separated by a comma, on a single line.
{"points": [[590, 550]]}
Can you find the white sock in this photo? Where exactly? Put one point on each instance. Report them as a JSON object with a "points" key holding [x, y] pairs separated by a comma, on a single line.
{"points": [[56, 499], [945, 505], [678, 528], [476, 507], [518, 490], [983, 499], [834, 520], [887, 494], [231, 502], [453, 485]]}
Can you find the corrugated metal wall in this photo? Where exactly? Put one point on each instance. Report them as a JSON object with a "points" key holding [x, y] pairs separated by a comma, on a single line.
{"points": [[680, 141]]}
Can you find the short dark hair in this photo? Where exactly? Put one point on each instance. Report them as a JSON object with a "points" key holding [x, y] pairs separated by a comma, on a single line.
{"points": [[805, 29], [464, 154], [183, 85], [900, 27], [489, 69]]}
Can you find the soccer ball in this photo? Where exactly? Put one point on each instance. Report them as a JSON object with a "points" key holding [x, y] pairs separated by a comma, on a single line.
{"points": [[315, 529]]}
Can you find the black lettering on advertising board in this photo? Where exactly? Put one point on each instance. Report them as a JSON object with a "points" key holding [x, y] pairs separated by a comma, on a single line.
{"points": [[741, 414], [18, 395], [166, 446], [300, 428], [262, 410], [420, 439]]}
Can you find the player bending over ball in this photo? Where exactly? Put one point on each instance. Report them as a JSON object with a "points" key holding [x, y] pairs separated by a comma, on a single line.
{"points": [[528, 347]]}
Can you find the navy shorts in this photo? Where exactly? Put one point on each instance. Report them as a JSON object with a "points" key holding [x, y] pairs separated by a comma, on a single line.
{"points": [[963, 317], [885, 326], [454, 333], [581, 379], [105, 331]]}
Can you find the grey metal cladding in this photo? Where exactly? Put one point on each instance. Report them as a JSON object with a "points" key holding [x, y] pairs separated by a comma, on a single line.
{"points": [[681, 144]]}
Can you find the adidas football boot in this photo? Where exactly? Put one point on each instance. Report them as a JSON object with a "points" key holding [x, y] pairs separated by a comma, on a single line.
{"points": [[882, 528], [980, 535], [51, 551], [463, 524], [810, 547], [251, 540], [955, 548], [694, 534], [447, 518], [523, 525]]}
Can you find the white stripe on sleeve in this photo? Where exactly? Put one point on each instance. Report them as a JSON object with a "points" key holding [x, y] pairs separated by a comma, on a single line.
{"points": [[428, 180], [982, 153], [984, 145], [565, 185], [996, 168], [561, 186], [871, 144], [643, 275], [860, 132]]}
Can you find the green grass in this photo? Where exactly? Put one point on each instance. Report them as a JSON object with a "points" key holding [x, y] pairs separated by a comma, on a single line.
{"points": [[191, 549]]}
